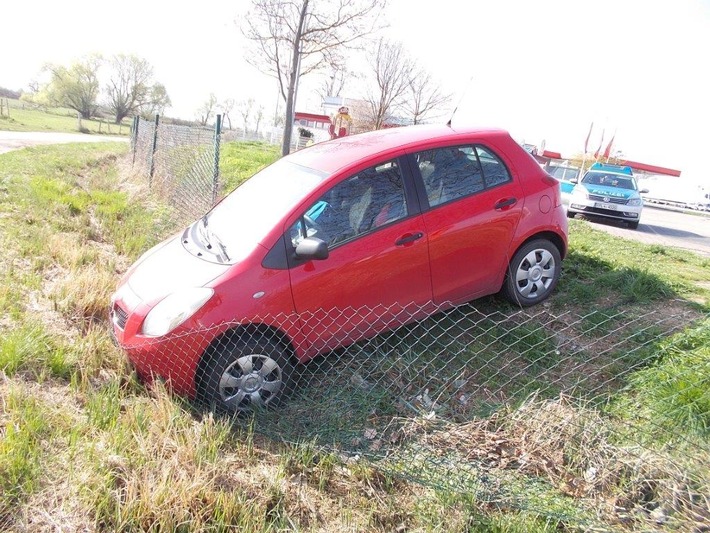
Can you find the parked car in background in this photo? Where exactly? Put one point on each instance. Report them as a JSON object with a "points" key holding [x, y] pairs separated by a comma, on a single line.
{"points": [[608, 191], [333, 244], [565, 175]]}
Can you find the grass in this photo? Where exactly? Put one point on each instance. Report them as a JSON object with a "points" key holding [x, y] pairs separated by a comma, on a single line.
{"points": [[28, 117], [582, 413]]}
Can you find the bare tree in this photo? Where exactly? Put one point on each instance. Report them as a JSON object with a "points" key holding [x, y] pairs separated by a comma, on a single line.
{"points": [[130, 88], [259, 115], [391, 67], [296, 37], [75, 87], [245, 109], [334, 83], [206, 110], [227, 107], [424, 97]]}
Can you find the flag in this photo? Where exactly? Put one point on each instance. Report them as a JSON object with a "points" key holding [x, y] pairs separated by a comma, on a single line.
{"points": [[601, 143], [586, 142], [607, 152]]}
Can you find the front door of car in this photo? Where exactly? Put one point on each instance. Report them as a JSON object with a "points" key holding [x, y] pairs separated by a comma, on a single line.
{"points": [[377, 274], [474, 209]]}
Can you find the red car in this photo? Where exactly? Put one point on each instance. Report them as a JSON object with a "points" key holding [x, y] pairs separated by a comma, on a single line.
{"points": [[336, 243]]}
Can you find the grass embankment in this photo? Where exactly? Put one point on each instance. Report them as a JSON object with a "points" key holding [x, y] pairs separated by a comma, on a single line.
{"points": [[84, 447], [23, 116]]}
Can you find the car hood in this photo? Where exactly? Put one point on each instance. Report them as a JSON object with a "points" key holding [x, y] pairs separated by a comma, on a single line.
{"points": [[169, 268], [612, 192]]}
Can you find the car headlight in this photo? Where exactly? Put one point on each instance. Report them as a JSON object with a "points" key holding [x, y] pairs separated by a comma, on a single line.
{"points": [[581, 193], [635, 202], [173, 310]]}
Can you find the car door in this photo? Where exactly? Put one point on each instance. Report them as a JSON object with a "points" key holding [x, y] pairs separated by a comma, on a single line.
{"points": [[472, 209], [377, 274]]}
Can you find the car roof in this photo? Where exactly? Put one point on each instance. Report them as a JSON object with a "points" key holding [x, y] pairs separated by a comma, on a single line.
{"points": [[331, 156]]}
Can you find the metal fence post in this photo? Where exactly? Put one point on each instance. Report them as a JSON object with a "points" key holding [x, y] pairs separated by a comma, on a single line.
{"points": [[134, 137], [215, 171], [152, 153]]}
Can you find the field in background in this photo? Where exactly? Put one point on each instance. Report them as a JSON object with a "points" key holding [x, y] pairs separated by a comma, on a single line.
{"points": [[23, 116], [83, 446]]}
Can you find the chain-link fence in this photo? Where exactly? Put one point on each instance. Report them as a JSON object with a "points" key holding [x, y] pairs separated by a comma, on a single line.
{"points": [[601, 417], [180, 162]]}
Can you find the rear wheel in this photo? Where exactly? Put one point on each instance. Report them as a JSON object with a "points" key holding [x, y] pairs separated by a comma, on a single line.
{"points": [[533, 273], [243, 376]]}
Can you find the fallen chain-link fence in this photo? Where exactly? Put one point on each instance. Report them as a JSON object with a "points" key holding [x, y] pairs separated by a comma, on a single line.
{"points": [[598, 417]]}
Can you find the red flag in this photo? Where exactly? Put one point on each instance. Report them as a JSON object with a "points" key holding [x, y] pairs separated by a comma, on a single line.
{"points": [[601, 143], [586, 142], [607, 152]]}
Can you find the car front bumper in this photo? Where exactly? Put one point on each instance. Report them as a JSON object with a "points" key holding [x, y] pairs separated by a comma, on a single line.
{"points": [[616, 211]]}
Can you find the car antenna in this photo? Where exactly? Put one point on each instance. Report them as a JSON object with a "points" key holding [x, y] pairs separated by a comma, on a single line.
{"points": [[459, 102]]}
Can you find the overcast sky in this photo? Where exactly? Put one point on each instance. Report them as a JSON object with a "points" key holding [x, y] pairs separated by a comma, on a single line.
{"points": [[544, 70]]}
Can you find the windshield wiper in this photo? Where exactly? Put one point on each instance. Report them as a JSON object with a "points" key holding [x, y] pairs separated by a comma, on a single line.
{"points": [[209, 236]]}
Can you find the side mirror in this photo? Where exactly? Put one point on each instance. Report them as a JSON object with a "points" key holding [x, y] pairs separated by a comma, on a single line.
{"points": [[574, 180], [643, 191], [312, 248]]}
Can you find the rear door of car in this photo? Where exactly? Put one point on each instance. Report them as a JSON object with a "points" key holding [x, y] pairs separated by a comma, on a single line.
{"points": [[377, 275], [471, 204]]}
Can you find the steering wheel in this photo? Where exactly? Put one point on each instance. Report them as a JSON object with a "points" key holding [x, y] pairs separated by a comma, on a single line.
{"points": [[312, 224]]}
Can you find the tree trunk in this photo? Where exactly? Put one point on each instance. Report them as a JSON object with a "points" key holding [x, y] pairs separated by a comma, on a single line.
{"points": [[293, 81]]}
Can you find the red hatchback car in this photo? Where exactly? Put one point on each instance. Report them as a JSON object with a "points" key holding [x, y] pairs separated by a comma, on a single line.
{"points": [[336, 243]]}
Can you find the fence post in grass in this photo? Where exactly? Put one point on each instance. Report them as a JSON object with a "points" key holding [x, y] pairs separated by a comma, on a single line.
{"points": [[153, 150], [215, 170], [134, 138]]}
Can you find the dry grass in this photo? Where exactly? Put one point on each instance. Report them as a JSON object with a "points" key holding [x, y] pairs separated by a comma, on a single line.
{"points": [[579, 452]]}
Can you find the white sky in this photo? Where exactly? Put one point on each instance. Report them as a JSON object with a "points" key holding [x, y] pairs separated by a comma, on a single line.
{"points": [[541, 69]]}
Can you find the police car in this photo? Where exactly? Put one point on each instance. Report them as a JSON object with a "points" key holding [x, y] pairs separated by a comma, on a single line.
{"points": [[608, 191]]}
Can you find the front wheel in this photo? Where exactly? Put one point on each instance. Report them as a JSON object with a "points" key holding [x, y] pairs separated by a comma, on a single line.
{"points": [[633, 225], [533, 273], [243, 376]]}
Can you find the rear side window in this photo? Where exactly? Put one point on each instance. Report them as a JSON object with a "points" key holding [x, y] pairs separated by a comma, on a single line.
{"points": [[451, 173]]}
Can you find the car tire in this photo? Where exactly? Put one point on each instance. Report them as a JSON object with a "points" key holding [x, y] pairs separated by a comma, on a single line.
{"points": [[533, 273], [633, 225], [243, 376], [570, 214]]}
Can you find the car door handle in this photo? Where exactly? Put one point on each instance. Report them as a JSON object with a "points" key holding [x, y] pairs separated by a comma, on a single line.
{"points": [[502, 204], [406, 239]]}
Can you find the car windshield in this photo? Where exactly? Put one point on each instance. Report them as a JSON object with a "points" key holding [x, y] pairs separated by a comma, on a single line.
{"points": [[246, 216], [609, 180]]}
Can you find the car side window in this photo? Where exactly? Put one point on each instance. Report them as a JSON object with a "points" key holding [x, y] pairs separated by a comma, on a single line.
{"points": [[494, 171], [454, 172], [360, 204], [449, 173]]}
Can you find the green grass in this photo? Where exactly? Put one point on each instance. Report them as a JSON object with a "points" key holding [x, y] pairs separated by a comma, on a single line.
{"points": [[27, 117], [600, 266], [239, 161], [21, 449]]}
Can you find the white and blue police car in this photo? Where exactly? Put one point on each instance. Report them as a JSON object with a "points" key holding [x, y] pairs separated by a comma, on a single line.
{"points": [[608, 191]]}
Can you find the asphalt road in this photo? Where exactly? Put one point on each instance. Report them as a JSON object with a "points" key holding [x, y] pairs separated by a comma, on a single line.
{"points": [[14, 140], [686, 230]]}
